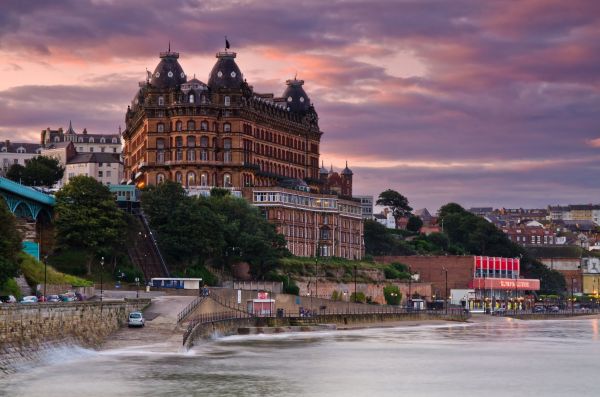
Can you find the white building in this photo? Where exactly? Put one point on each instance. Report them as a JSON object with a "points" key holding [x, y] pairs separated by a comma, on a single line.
{"points": [[386, 219], [16, 153], [83, 142], [106, 168]]}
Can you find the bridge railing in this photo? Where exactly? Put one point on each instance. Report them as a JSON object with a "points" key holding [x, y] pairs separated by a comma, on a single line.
{"points": [[211, 318], [189, 308]]}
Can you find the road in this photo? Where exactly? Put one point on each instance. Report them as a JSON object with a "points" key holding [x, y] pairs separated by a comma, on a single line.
{"points": [[161, 333]]}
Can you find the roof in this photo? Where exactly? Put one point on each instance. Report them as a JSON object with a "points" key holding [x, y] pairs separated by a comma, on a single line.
{"points": [[168, 73], [296, 98], [226, 73], [11, 147], [58, 145], [82, 158]]}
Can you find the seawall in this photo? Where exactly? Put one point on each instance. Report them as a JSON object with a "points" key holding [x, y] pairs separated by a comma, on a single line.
{"points": [[28, 331]]}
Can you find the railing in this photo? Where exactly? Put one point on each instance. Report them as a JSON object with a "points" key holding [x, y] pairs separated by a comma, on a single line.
{"points": [[211, 318], [189, 308], [234, 306], [154, 243]]}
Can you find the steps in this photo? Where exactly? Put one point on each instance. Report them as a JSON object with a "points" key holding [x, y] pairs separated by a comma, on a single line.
{"points": [[23, 286]]}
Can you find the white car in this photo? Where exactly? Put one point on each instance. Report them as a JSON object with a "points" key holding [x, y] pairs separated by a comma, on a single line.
{"points": [[29, 299], [136, 319]]}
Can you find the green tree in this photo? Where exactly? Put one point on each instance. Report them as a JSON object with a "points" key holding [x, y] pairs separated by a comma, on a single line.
{"points": [[397, 202], [414, 224], [10, 244], [378, 241], [187, 230], [39, 171], [87, 218], [392, 294]]}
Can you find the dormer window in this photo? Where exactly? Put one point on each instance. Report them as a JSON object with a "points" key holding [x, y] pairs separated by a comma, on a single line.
{"points": [[102, 140], [227, 101], [91, 140], [114, 140], [80, 140], [191, 98], [21, 150], [161, 101], [4, 149]]}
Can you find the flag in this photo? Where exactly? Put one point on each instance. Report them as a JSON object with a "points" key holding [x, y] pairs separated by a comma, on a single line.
{"points": [[227, 44]]}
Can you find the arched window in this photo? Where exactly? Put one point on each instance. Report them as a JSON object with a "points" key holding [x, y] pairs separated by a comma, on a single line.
{"points": [[91, 140], [191, 125], [161, 101], [160, 127], [191, 178], [114, 140], [191, 98], [178, 177], [204, 125], [191, 144], [178, 125], [226, 127], [226, 180], [102, 140], [160, 178], [204, 179], [204, 148], [21, 150], [227, 150]]}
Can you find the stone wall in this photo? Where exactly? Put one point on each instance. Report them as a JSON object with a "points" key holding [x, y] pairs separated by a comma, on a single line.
{"points": [[26, 331]]}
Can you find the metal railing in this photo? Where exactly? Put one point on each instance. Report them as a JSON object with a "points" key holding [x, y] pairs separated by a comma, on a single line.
{"points": [[154, 243], [189, 308], [211, 318]]}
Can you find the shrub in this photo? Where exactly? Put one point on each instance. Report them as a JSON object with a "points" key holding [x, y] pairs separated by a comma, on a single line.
{"points": [[10, 287], [392, 294], [358, 297], [33, 271]]}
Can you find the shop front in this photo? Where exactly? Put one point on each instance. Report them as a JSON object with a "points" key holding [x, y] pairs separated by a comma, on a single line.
{"points": [[498, 286]]}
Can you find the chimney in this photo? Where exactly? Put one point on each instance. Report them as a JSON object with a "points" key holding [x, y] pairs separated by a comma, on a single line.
{"points": [[7, 143], [85, 131], [60, 130]]}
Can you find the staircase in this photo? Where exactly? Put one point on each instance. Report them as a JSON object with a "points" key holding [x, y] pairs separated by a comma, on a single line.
{"points": [[23, 286], [144, 252]]}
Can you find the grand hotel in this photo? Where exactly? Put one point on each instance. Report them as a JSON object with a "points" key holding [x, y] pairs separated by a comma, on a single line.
{"points": [[263, 147]]}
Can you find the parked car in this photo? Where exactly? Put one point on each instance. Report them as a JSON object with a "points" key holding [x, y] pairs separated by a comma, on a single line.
{"points": [[80, 297], [539, 309], [8, 299], [553, 309], [53, 298], [42, 298], [29, 299], [66, 298], [136, 319]]}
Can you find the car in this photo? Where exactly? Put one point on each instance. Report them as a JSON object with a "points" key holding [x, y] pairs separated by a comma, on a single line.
{"points": [[8, 299], [80, 297], [42, 298], [539, 309], [29, 299], [66, 298], [136, 319], [53, 298], [553, 309]]}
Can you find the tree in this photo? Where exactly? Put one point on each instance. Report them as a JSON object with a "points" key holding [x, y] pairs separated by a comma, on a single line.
{"points": [[88, 218], [397, 202], [39, 171], [378, 241], [10, 244], [392, 294], [414, 224]]}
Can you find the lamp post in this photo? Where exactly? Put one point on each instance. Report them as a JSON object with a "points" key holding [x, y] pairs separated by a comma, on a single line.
{"points": [[45, 274], [101, 279], [137, 287], [572, 297], [355, 297], [409, 298], [445, 270]]}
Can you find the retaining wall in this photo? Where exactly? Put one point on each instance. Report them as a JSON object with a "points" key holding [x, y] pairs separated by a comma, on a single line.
{"points": [[26, 331]]}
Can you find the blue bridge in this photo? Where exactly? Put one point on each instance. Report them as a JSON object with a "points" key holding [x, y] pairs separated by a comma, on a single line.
{"points": [[24, 201], [28, 204]]}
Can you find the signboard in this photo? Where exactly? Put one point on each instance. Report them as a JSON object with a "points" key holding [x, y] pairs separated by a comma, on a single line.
{"points": [[239, 296], [263, 295], [505, 283]]}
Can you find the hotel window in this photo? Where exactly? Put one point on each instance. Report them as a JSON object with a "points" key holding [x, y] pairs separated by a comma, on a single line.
{"points": [[99, 174], [191, 178], [227, 150], [160, 127], [227, 180], [191, 125], [204, 179], [178, 177], [204, 126], [226, 127], [160, 178], [203, 150], [191, 98], [179, 126], [227, 100], [161, 101]]}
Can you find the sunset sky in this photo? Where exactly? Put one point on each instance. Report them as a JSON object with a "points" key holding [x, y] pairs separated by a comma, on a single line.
{"points": [[480, 102]]}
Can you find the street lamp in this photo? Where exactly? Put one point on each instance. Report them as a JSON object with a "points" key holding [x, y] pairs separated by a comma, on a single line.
{"points": [[446, 291], [572, 297], [101, 279], [45, 274], [137, 287], [409, 299]]}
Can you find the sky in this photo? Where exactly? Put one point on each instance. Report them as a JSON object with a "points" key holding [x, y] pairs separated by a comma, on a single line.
{"points": [[484, 103]]}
